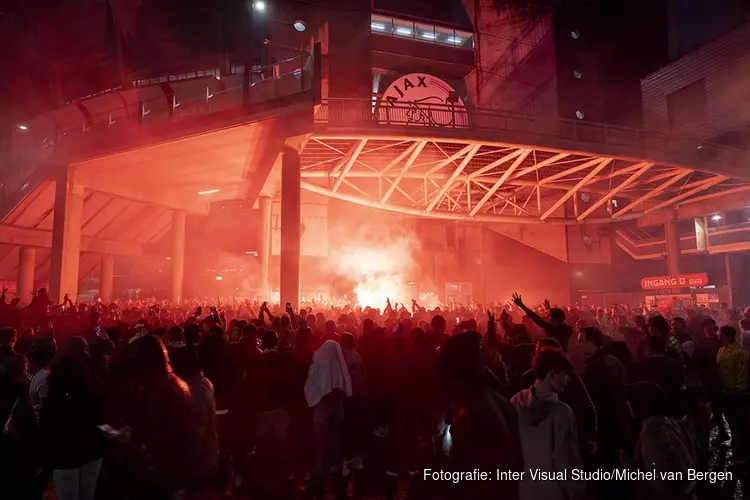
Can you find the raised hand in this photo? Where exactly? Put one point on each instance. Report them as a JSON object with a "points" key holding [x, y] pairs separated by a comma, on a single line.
{"points": [[516, 298], [547, 304]]}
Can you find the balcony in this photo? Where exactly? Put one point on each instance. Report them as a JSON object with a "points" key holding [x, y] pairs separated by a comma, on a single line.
{"points": [[422, 32], [642, 245]]}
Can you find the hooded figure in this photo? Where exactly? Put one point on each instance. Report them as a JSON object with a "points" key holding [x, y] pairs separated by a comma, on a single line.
{"points": [[548, 431], [328, 372], [328, 383]]}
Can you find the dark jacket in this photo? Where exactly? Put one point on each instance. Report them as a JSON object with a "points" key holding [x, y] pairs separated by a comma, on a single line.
{"points": [[605, 379]]}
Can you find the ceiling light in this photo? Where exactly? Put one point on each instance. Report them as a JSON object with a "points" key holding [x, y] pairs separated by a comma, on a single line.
{"points": [[219, 278], [455, 40], [429, 36], [209, 191], [22, 127], [377, 26], [403, 31], [259, 5], [251, 253], [716, 217], [300, 25]]}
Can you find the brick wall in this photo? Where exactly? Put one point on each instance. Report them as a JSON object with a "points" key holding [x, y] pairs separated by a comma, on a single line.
{"points": [[725, 67]]}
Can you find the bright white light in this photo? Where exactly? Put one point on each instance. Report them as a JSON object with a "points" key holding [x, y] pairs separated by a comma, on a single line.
{"points": [[209, 191], [716, 217], [455, 40], [259, 5], [580, 115], [169, 258], [429, 36], [219, 278], [403, 31], [251, 253], [22, 127], [377, 26], [300, 26]]}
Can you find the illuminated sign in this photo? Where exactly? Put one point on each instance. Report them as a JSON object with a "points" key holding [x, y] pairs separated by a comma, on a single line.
{"points": [[679, 281], [422, 99]]}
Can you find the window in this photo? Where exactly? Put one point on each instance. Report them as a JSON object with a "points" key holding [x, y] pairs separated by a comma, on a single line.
{"points": [[423, 32], [687, 105]]}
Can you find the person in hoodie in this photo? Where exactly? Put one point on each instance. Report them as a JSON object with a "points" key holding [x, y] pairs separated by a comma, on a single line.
{"points": [[548, 430], [732, 360], [328, 384]]}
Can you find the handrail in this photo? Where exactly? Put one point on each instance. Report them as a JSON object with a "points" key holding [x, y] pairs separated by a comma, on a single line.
{"points": [[83, 134], [348, 112]]}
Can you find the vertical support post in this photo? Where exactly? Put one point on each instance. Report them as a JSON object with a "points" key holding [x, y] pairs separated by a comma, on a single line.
{"points": [[66, 238], [673, 247], [728, 269], [26, 268], [178, 254], [291, 221], [107, 278], [264, 252]]}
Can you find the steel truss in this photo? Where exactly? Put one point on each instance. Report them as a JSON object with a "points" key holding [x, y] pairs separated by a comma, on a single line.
{"points": [[474, 181]]}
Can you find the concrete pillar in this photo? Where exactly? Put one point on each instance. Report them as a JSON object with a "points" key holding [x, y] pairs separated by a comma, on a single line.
{"points": [[26, 268], [264, 252], [673, 247], [291, 225], [107, 278], [730, 285], [178, 254], [66, 238]]}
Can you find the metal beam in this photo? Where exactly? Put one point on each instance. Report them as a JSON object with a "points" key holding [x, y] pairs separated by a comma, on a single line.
{"points": [[572, 170], [409, 162], [495, 163], [508, 172], [452, 158], [603, 163], [627, 182], [444, 189], [651, 194], [705, 185], [403, 154], [544, 163], [32, 237], [347, 165]]}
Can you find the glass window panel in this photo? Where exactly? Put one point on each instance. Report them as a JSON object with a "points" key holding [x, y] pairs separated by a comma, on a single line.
{"points": [[464, 39], [403, 28], [381, 24], [425, 32]]}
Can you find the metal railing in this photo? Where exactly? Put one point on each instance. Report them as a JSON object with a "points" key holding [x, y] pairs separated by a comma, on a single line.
{"points": [[733, 234], [646, 144], [85, 134]]}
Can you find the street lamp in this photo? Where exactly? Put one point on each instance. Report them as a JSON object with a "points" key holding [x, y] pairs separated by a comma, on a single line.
{"points": [[259, 5]]}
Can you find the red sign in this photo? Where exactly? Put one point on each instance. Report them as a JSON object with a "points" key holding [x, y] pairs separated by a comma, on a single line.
{"points": [[679, 281]]}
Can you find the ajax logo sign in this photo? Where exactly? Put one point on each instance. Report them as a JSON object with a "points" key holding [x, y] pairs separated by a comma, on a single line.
{"points": [[422, 99]]}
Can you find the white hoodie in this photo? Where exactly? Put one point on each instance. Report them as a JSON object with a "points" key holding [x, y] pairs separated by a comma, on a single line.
{"points": [[327, 373]]}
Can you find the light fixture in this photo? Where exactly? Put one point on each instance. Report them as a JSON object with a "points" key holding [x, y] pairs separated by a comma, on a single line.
{"points": [[403, 31], [300, 25], [377, 26], [259, 5], [169, 258], [252, 253], [455, 40], [22, 127], [209, 191], [577, 74], [716, 217], [580, 115], [219, 278], [575, 34], [429, 36]]}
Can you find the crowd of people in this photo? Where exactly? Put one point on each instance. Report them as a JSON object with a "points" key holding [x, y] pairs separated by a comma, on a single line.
{"points": [[150, 400]]}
